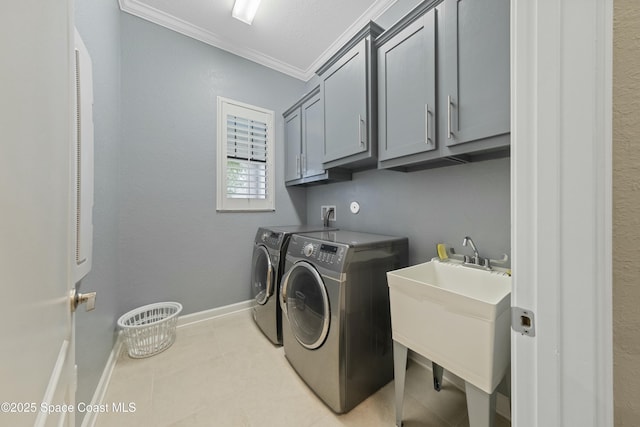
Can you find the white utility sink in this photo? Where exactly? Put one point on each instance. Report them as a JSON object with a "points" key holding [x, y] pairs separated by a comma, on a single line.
{"points": [[456, 316]]}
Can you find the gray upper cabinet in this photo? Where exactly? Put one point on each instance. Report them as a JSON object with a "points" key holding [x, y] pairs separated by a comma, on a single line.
{"points": [[345, 100], [292, 144], [407, 90], [348, 91], [312, 136], [443, 85], [475, 91], [431, 91], [304, 141]]}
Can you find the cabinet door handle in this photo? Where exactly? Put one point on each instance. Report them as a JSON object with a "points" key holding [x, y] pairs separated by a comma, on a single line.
{"points": [[426, 124], [303, 163], [298, 165], [361, 124], [449, 131]]}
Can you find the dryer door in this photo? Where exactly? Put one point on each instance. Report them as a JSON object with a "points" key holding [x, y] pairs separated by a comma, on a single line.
{"points": [[306, 304], [262, 275]]}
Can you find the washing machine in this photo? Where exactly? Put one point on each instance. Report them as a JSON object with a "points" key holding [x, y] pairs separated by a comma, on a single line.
{"points": [[267, 268], [335, 305]]}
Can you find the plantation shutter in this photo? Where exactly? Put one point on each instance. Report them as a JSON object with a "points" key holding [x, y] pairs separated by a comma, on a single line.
{"points": [[245, 157]]}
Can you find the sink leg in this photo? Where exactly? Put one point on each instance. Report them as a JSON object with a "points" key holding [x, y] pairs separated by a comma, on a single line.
{"points": [[481, 406], [437, 376], [399, 372]]}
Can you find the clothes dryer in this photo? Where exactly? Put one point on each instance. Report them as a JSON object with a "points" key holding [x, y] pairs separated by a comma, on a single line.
{"points": [[336, 320], [267, 268]]}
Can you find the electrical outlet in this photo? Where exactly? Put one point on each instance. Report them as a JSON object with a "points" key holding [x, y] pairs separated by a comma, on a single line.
{"points": [[323, 212]]}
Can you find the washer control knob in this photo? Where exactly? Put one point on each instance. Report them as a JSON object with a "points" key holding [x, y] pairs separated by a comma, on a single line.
{"points": [[308, 249]]}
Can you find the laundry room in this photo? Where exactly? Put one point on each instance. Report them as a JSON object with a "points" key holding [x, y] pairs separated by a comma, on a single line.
{"points": [[175, 244], [277, 249]]}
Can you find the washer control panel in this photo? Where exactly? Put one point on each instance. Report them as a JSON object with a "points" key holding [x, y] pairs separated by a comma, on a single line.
{"points": [[329, 253], [322, 253], [308, 250]]}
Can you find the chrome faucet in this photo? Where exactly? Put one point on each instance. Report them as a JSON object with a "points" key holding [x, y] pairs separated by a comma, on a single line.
{"points": [[467, 241], [476, 260], [327, 214]]}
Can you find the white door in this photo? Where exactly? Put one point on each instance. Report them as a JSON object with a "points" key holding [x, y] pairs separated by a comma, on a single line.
{"points": [[561, 211], [36, 86]]}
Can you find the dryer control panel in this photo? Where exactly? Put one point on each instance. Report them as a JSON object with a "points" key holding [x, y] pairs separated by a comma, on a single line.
{"points": [[269, 238]]}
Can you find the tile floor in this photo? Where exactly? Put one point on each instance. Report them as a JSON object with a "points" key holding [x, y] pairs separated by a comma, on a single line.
{"points": [[224, 372]]}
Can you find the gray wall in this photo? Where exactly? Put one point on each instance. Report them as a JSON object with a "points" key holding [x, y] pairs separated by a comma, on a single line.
{"points": [[98, 23], [429, 207], [173, 244]]}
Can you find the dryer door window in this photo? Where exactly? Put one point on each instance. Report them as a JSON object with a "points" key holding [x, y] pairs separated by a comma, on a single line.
{"points": [[306, 305], [262, 275]]}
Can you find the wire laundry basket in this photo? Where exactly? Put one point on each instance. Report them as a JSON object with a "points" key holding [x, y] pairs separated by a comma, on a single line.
{"points": [[150, 329]]}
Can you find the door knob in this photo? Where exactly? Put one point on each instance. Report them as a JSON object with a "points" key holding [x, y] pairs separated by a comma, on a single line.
{"points": [[77, 298]]}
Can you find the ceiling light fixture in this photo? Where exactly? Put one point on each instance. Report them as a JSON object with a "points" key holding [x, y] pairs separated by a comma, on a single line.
{"points": [[245, 10]]}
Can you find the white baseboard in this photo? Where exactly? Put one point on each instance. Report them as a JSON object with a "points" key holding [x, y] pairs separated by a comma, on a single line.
{"points": [[89, 419], [503, 404], [201, 316]]}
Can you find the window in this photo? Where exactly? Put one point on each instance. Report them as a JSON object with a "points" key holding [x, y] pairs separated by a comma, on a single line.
{"points": [[245, 157]]}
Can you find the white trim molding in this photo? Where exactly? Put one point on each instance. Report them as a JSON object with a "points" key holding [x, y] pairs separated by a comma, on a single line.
{"points": [[246, 175], [157, 16], [374, 12], [202, 316], [91, 417], [561, 79], [55, 386]]}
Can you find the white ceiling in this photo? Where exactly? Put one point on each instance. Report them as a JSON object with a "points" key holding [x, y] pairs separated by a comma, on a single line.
{"points": [[292, 36]]}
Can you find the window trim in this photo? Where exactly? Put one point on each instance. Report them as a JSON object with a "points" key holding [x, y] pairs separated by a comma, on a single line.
{"points": [[226, 204]]}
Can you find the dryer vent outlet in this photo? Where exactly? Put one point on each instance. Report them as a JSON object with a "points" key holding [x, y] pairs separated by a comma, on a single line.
{"points": [[323, 212]]}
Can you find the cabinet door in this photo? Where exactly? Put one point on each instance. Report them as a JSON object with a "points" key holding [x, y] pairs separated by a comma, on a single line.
{"points": [[344, 90], [476, 70], [406, 90], [293, 145], [312, 136]]}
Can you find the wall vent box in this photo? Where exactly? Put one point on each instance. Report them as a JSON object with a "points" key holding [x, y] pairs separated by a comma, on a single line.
{"points": [[323, 212]]}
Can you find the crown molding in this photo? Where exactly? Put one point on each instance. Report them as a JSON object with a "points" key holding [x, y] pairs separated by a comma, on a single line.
{"points": [[159, 17], [374, 12], [151, 14]]}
